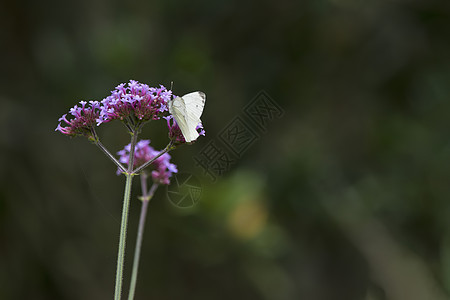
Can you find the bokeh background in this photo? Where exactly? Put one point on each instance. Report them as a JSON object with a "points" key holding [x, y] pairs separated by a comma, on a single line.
{"points": [[345, 196]]}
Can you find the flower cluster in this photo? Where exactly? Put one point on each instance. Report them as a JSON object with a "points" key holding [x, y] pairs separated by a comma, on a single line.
{"points": [[144, 102], [133, 101], [82, 121], [175, 133], [162, 168]]}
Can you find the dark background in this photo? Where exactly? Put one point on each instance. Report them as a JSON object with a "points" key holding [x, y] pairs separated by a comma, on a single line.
{"points": [[345, 196]]}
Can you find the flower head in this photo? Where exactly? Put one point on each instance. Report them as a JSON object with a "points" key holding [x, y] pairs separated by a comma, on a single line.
{"points": [[143, 152], [135, 100], [82, 120], [175, 133]]}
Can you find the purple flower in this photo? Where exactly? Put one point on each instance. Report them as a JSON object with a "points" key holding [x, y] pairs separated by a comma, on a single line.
{"points": [[135, 100], [82, 120], [175, 133], [162, 168]]}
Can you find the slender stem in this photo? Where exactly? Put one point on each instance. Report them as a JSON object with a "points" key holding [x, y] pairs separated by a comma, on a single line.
{"points": [[144, 177], [127, 126], [165, 150], [96, 140], [137, 251], [118, 164], [152, 191], [146, 196], [131, 155], [124, 223], [123, 234]]}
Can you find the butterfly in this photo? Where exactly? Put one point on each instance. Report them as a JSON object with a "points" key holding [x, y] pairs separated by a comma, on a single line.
{"points": [[187, 111]]}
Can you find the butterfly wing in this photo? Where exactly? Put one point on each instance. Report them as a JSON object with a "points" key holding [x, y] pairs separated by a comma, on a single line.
{"points": [[184, 119], [194, 104]]}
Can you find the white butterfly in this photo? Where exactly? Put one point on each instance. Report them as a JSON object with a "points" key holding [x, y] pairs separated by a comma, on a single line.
{"points": [[187, 111]]}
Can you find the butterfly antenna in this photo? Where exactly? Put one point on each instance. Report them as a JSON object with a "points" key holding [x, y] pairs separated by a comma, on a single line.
{"points": [[171, 85]]}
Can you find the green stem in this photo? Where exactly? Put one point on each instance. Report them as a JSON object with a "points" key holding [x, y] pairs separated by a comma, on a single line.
{"points": [[124, 223], [146, 196], [103, 148], [165, 150], [96, 140], [123, 236]]}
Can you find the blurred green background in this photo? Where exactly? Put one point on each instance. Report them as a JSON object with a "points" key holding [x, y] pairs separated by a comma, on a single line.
{"points": [[346, 196]]}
